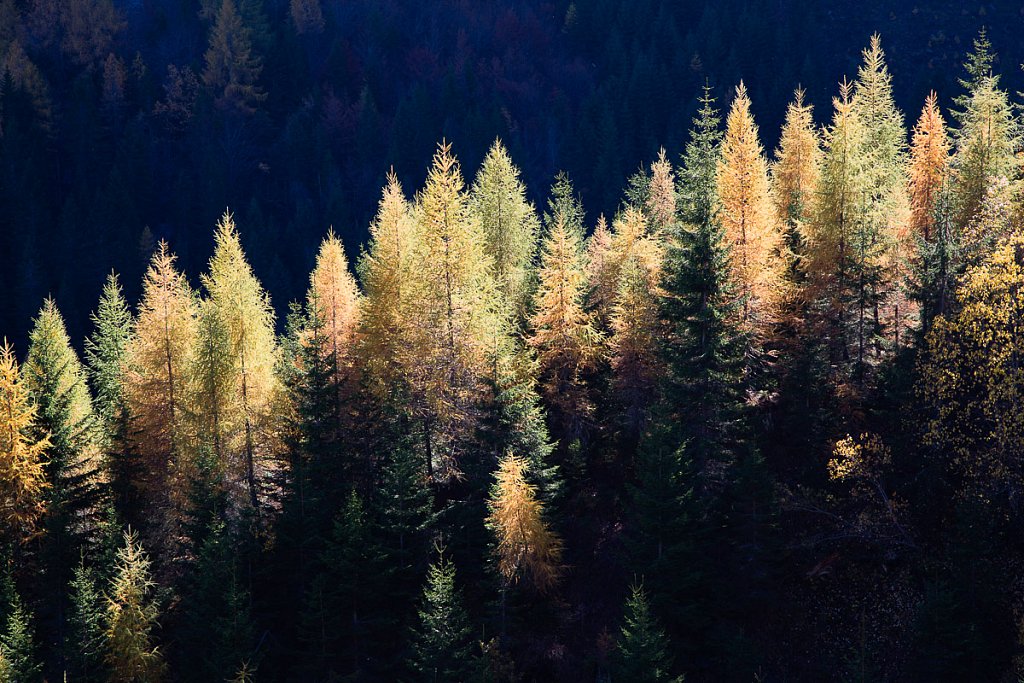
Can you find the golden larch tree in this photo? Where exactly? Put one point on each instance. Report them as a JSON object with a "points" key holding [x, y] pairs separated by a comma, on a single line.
{"points": [[564, 336], [748, 217], [335, 296], [392, 281], [454, 315], [633, 344], [245, 320], [524, 544], [601, 274], [22, 479], [796, 171], [661, 194], [510, 226], [158, 364]]}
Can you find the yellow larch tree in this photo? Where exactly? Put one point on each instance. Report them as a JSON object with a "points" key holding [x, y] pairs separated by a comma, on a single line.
{"points": [[334, 294], [158, 364], [748, 217], [661, 194], [245, 331], [564, 336], [454, 315], [510, 226], [601, 274], [22, 479], [392, 280], [633, 342], [795, 174], [524, 544]]}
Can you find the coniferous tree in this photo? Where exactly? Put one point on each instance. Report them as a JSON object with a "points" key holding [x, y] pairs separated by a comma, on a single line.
{"points": [[987, 138], [525, 545], [158, 387], [86, 633], [633, 345], [17, 642], [564, 336], [642, 653], [132, 612], [665, 537], [391, 276], [929, 170], [838, 212], [55, 380], [455, 318], [748, 220], [219, 630], [243, 331], [442, 641], [795, 176], [510, 227], [882, 246], [232, 66], [702, 346], [105, 355], [22, 452]]}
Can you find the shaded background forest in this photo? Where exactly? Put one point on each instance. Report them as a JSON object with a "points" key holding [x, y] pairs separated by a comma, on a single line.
{"points": [[114, 137]]}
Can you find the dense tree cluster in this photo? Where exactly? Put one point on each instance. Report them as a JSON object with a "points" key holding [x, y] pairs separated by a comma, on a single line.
{"points": [[761, 423]]}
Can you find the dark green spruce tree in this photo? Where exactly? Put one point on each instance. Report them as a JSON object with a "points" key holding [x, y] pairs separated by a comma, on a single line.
{"points": [[642, 655], [104, 356], [57, 384], [442, 648]]}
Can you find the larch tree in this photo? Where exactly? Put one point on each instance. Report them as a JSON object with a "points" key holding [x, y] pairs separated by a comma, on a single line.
{"points": [[794, 178], [454, 316], [987, 137], [22, 453], [633, 344], [661, 195], [510, 226], [882, 239], [524, 545], [928, 167], [158, 389], [334, 295], [132, 655], [929, 171], [564, 336], [232, 67], [392, 280], [245, 319], [838, 211], [601, 271], [748, 217]]}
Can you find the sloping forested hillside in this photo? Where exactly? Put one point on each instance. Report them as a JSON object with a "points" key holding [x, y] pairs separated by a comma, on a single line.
{"points": [[736, 398]]}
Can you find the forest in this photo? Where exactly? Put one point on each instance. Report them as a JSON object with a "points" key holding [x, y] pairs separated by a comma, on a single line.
{"points": [[755, 418]]}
